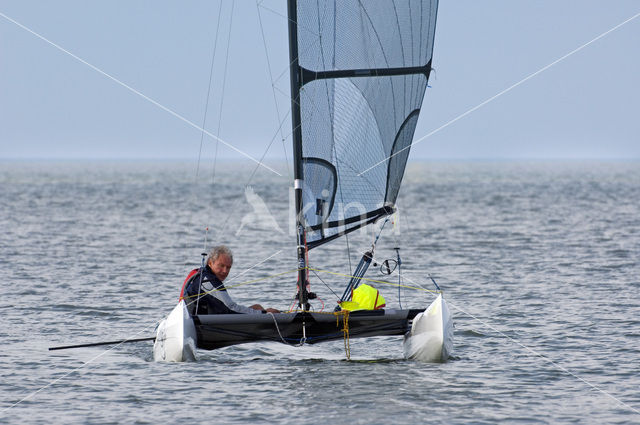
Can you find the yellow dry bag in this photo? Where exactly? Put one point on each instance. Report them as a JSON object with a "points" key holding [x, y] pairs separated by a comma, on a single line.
{"points": [[364, 297]]}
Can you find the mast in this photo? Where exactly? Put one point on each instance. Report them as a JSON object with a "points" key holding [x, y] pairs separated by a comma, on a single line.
{"points": [[296, 75]]}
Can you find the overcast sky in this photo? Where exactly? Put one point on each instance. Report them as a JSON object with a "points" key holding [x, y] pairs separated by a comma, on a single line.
{"points": [[54, 106]]}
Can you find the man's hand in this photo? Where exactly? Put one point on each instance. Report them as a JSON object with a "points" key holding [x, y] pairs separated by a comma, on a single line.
{"points": [[268, 310]]}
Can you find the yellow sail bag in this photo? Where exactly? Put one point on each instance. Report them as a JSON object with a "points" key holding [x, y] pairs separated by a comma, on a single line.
{"points": [[364, 297]]}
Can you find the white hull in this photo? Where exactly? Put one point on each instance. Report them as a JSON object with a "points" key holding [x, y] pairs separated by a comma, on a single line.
{"points": [[431, 335], [176, 337]]}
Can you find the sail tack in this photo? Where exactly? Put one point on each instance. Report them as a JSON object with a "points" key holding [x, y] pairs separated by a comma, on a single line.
{"points": [[363, 71]]}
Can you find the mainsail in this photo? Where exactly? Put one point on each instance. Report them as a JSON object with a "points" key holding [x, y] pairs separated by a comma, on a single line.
{"points": [[359, 71]]}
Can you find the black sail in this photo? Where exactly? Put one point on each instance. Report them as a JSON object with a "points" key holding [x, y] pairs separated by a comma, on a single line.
{"points": [[363, 68]]}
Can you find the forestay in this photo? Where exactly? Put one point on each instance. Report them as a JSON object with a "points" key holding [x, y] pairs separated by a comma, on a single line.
{"points": [[363, 70]]}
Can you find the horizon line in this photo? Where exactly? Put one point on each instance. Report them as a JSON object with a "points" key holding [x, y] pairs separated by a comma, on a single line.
{"points": [[237, 159]]}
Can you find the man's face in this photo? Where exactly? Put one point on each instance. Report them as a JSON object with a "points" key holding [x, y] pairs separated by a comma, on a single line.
{"points": [[221, 266]]}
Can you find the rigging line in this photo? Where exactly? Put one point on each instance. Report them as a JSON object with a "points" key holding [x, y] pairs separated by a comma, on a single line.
{"points": [[563, 369], [145, 97], [394, 218], [542, 356], [439, 291], [237, 201], [325, 283], [241, 274], [206, 105], [224, 84], [278, 329], [375, 281], [231, 286], [308, 48], [273, 90], [282, 92], [508, 89], [331, 110], [254, 266], [224, 225], [237, 285], [286, 18], [282, 74], [204, 120], [32, 394]]}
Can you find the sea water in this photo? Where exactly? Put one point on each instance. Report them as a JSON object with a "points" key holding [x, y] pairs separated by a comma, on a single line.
{"points": [[538, 262]]}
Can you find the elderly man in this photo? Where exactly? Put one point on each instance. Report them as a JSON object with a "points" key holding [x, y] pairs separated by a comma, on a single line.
{"points": [[208, 281]]}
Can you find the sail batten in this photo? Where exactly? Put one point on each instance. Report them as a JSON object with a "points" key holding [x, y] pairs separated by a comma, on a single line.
{"points": [[361, 71], [308, 75]]}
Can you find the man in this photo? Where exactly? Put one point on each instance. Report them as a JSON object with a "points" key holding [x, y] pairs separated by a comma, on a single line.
{"points": [[205, 293]]}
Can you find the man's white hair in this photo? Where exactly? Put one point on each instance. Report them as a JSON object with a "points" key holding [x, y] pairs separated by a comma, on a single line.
{"points": [[217, 251]]}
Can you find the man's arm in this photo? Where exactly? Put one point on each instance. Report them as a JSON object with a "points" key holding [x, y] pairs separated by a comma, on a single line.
{"points": [[232, 305]]}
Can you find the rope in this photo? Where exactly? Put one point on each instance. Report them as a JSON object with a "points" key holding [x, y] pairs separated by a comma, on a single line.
{"points": [[224, 85], [344, 314], [206, 105], [240, 284], [284, 341], [204, 121], [345, 330], [314, 270], [325, 283], [377, 281], [273, 89]]}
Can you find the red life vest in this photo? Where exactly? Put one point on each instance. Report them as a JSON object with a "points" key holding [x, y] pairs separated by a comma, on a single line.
{"points": [[186, 281]]}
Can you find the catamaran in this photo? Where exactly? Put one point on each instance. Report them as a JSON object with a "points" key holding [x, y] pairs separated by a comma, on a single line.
{"points": [[358, 73]]}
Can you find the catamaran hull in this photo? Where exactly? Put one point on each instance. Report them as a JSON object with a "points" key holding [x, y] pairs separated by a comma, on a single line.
{"points": [[176, 337], [428, 334], [431, 335]]}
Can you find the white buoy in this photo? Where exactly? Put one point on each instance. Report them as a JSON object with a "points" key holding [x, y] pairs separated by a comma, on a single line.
{"points": [[176, 337], [431, 335]]}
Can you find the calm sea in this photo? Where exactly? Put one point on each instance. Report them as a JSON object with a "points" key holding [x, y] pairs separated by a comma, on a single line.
{"points": [[538, 261]]}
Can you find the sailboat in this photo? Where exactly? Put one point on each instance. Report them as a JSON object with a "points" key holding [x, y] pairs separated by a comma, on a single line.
{"points": [[358, 73]]}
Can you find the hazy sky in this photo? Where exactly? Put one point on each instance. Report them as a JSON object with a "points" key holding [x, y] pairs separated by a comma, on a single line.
{"points": [[53, 106]]}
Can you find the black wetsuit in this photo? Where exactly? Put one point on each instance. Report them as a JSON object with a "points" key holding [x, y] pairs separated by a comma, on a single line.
{"points": [[216, 299]]}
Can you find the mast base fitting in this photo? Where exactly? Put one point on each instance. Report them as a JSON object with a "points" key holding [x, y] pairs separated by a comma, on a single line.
{"points": [[307, 306]]}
